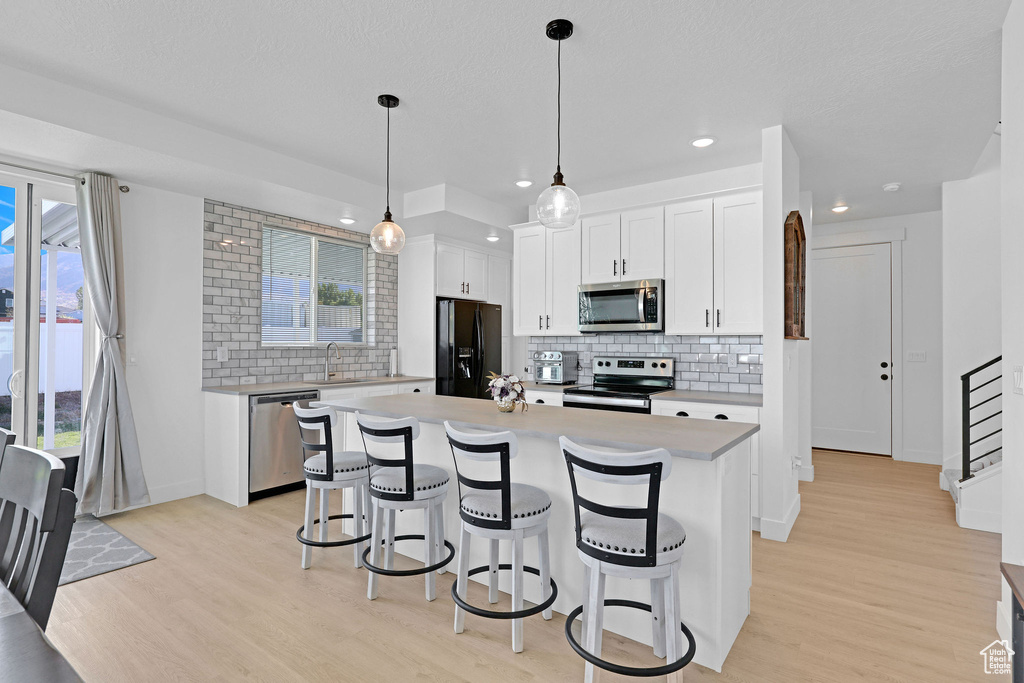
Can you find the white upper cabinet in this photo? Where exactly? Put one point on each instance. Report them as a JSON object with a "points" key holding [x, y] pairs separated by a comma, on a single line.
{"points": [[689, 262], [739, 265], [545, 281], [601, 248], [713, 266], [641, 256], [529, 292], [461, 273], [562, 256], [623, 246]]}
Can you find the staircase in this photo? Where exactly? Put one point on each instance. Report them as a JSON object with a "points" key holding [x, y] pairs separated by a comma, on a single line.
{"points": [[976, 485]]}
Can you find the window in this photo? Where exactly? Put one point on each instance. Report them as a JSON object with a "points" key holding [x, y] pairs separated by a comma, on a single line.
{"points": [[313, 289]]}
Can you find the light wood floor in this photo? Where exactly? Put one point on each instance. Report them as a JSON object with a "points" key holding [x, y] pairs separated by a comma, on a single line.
{"points": [[876, 583]]}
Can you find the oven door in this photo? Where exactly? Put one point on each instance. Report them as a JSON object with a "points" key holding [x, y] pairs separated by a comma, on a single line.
{"points": [[634, 306], [620, 404]]}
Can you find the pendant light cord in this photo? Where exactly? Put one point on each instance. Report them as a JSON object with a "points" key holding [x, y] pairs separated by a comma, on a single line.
{"points": [[387, 173], [558, 160]]}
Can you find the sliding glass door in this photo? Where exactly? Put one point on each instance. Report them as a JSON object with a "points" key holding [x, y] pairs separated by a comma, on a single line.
{"points": [[42, 312]]}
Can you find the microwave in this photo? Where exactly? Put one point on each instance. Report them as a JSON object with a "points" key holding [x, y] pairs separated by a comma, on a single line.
{"points": [[634, 306]]}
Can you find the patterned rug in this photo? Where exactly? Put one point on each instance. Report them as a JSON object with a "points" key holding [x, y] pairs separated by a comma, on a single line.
{"points": [[96, 549]]}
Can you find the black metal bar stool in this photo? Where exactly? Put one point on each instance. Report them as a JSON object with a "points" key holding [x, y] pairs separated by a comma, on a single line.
{"points": [[329, 470], [397, 483], [634, 542], [498, 510]]}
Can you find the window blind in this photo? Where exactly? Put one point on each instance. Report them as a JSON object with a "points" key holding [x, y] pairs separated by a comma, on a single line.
{"points": [[340, 299], [287, 273]]}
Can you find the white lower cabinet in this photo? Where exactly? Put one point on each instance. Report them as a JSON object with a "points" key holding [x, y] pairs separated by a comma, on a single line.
{"points": [[715, 411], [541, 397], [417, 388]]}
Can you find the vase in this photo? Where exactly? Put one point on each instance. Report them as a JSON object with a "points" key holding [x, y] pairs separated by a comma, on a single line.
{"points": [[506, 406]]}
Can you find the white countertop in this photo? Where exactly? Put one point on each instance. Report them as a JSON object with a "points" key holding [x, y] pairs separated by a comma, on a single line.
{"points": [[694, 439], [278, 387]]}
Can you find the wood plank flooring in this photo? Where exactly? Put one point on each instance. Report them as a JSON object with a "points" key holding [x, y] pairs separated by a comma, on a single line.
{"points": [[877, 583]]}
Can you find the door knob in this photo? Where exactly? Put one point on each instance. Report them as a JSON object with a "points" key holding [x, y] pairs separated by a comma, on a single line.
{"points": [[885, 377], [885, 365]]}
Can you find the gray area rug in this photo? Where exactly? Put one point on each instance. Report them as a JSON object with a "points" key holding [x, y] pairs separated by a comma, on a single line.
{"points": [[95, 549]]}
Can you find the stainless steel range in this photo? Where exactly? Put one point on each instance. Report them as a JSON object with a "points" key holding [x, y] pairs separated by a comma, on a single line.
{"points": [[623, 383]]}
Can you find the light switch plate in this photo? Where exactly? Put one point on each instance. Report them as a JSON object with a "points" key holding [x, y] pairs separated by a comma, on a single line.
{"points": [[1018, 379], [917, 356], [222, 354]]}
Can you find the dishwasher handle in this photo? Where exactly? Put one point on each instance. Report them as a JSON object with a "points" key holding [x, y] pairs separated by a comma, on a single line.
{"points": [[285, 398]]}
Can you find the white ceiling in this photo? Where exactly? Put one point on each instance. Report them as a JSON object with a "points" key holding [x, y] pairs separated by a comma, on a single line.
{"points": [[871, 91]]}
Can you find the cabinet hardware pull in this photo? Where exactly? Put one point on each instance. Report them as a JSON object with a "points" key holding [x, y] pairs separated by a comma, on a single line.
{"points": [[467, 288], [415, 391], [884, 364], [623, 266], [718, 315], [720, 416], [463, 289], [549, 321], [682, 413], [885, 377], [707, 317], [540, 400], [615, 267]]}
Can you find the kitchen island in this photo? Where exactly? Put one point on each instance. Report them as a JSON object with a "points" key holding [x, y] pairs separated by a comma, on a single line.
{"points": [[708, 492]]}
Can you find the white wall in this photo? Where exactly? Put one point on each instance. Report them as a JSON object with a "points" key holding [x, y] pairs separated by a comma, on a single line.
{"points": [[163, 264], [971, 283], [1012, 201], [806, 472], [922, 326], [781, 426]]}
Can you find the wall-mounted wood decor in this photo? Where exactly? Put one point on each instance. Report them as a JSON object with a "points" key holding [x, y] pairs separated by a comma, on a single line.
{"points": [[796, 277]]}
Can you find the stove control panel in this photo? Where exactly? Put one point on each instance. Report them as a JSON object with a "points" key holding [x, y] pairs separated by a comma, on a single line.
{"points": [[634, 367]]}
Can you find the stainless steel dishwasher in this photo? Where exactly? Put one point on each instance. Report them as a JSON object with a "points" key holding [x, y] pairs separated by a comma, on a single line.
{"points": [[275, 452]]}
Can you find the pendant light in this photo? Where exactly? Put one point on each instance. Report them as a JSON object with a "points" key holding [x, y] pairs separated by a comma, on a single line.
{"points": [[558, 206], [386, 237]]}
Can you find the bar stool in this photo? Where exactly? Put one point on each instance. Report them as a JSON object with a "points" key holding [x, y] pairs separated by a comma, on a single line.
{"points": [[499, 510], [629, 542], [329, 470], [397, 483]]}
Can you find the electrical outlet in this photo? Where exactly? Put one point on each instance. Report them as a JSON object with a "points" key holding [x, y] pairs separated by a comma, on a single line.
{"points": [[917, 356], [732, 360], [222, 354], [1018, 379], [132, 359]]}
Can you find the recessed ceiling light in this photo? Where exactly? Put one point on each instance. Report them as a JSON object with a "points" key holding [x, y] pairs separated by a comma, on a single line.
{"points": [[891, 187], [706, 141], [839, 209], [524, 183], [347, 221], [493, 238]]}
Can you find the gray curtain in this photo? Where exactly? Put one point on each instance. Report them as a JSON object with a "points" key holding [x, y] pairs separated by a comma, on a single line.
{"points": [[110, 469]]}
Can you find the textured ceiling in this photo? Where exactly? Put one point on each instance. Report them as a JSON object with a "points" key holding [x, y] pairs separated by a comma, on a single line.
{"points": [[871, 91]]}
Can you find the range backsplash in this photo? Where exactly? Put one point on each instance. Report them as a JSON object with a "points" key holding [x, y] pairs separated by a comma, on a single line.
{"points": [[702, 363]]}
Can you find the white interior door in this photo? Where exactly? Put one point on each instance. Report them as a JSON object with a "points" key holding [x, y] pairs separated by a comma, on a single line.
{"points": [[852, 351]]}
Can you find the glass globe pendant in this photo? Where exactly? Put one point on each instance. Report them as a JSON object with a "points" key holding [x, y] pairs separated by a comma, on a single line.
{"points": [[558, 206], [387, 237]]}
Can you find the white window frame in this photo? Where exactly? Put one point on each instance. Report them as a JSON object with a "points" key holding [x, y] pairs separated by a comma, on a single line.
{"points": [[314, 289]]}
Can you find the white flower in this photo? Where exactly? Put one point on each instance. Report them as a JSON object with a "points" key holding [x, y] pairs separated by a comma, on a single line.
{"points": [[513, 379]]}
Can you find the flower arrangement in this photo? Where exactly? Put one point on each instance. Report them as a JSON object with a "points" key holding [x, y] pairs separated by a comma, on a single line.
{"points": [[508, 391]]}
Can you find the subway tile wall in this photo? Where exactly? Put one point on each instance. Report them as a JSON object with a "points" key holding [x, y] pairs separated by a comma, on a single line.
{"points": [[702, 363], [232, 303]]}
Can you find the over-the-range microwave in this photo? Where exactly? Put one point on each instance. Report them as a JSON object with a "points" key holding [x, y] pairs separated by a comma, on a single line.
{"points": [[633, 306]]}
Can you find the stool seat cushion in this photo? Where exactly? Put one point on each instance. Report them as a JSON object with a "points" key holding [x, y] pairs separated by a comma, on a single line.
{"points": [[345, 462], [424, 478], [628, 536], [527, 501]]}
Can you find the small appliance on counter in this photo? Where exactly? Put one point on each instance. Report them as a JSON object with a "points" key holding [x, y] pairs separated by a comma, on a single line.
{"points": [[634, 306], [555, 367], [623, 384]]}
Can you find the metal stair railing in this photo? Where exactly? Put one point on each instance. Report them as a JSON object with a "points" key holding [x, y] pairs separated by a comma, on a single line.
{"points": [[993, 428]]}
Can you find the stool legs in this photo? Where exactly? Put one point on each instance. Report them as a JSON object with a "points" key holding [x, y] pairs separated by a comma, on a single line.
{"points": [[429, 531], [463, 576], [389, 537], [658, 616], [324, 514], [595, 617], [517, 589], [307, 551], [545, 569], [358, 526], [439, 549], [673, 634], [376, 539], [492, 573]]}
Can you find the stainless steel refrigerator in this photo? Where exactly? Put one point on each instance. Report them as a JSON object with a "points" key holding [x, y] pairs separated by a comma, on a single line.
{"points": [[468, 347]]}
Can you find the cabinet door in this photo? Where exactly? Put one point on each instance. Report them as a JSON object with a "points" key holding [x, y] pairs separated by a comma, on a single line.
{"points": [[739, 265], [600, 261], [499, 289], [381, 390], [563, 278], [476, 275], [528, 284], [451, 271], [689, 263], [642, 241], [538, 397], [420, 388]]}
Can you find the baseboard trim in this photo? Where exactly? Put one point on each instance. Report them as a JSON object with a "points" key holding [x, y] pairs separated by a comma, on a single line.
{"points": [[776, 530], [923, 457], [806, 473], [979, 520]]}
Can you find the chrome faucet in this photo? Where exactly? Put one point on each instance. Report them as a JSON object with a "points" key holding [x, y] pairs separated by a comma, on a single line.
{"points": [[327, 360]]}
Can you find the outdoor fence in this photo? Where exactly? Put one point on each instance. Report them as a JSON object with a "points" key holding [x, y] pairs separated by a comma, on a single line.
{"points": [[68, 374]]}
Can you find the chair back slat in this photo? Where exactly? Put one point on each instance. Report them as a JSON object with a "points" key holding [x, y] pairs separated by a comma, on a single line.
{"points": [[381, 431], [7, 438], [493, 447], [52, 553], [317, 423], [620, 469]]}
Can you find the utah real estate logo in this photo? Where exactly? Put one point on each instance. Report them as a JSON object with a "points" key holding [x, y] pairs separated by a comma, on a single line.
{"points": [[998, 657]]}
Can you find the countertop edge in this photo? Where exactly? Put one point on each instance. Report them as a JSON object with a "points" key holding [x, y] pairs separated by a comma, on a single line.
{"points": [[280, 387]]}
